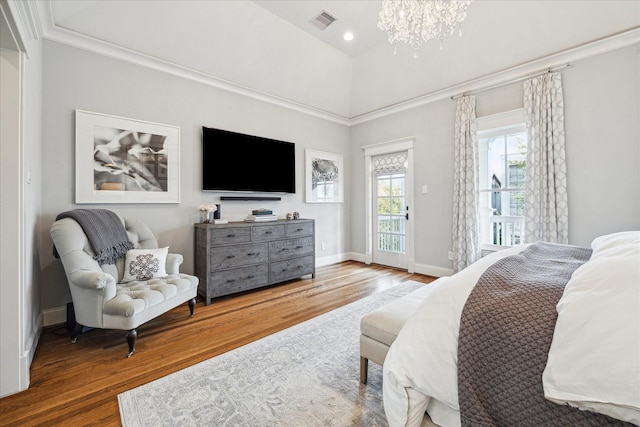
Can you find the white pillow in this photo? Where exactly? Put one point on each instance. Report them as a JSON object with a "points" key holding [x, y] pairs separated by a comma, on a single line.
{"points": [[594, 359], [145, 264]]}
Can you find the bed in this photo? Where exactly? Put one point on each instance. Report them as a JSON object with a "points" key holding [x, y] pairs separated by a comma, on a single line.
{"points": [[486, 347]]}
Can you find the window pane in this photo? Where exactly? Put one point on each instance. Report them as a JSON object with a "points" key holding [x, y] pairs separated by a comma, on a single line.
{"points": [[398, 224], [384, 187], [397, 243], [397, 205], [516, 203], [516, 160], [384, 224], [397, 186], [495, 162], [384, 206], [384, 242]]}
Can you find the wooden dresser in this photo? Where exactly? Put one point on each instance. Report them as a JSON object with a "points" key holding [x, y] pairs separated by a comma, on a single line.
{"points": [[240, 256]]}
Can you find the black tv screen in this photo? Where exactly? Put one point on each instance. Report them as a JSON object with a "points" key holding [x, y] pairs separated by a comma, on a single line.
{"points": [[237, 162]]}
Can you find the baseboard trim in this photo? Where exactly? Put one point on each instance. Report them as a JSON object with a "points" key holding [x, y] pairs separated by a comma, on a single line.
{"points": [[432, 270], [54, 316]]}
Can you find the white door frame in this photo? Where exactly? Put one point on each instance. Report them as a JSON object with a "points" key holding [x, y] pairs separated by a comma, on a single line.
{"points": [[403, 144], [15, 357]]}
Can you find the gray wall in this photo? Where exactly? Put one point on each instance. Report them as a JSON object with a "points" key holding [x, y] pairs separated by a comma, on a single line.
{"points": [[76, 79], [602, 133], [602, 112]]}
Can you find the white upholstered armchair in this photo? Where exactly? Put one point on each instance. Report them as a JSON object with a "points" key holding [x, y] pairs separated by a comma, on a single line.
{"points": [[126, 287]]}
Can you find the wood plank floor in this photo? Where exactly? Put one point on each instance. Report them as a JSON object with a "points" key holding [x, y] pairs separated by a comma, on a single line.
{"points": [[77, 384]]}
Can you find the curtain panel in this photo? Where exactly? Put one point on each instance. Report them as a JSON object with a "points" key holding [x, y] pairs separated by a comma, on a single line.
{"points": [[546, 206], [466, 245]]}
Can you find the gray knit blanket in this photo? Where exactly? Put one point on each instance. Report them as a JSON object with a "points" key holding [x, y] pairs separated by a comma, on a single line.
{"points": [[506, 330], [105, 232]]}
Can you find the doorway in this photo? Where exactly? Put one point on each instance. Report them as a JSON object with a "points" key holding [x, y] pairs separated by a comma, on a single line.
{"points": [[391, 211], [389, 179]]}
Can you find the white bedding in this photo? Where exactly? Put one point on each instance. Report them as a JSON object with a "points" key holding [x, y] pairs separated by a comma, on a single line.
{"points": [[420, 371], [594, 359]]}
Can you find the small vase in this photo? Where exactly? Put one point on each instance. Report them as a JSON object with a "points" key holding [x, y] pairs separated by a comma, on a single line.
{"points": [[204, 216]]}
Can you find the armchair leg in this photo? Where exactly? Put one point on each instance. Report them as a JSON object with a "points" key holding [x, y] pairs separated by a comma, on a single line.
{"points": [[132, 335], [77, 328], [192, 307]]}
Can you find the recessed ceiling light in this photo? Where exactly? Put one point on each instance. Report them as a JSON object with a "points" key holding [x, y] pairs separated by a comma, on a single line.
{"points": [[348, 36]]}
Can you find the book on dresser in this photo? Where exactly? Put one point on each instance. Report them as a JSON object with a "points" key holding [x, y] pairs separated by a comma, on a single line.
{"points": [[240, 256], [261, 217]]}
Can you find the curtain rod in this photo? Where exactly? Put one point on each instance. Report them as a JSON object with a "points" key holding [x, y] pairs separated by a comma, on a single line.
{"points": [[508, 82]]}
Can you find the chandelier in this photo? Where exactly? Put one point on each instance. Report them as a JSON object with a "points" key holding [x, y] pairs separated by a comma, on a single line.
{"points": [[417, 21]]}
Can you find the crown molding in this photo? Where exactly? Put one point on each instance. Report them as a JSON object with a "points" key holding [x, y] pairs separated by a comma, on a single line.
{"points": [[41, 18], [23, 20], [513, 74]]}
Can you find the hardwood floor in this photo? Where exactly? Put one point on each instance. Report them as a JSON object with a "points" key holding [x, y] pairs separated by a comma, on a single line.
{"points": [[77, 384]]}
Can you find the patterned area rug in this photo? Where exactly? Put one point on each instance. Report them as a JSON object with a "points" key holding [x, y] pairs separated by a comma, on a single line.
{"points": [[307, 375]]}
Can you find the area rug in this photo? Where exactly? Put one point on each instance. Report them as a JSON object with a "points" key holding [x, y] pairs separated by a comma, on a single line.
{"points": [[306, 375]]}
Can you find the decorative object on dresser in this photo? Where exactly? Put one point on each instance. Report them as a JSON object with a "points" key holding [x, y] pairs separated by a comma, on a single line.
{"points": [[241, 256], [208, 212]]}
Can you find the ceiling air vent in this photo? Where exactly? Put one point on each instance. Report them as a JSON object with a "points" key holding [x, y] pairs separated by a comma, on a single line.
{"points": [[323, 20]]}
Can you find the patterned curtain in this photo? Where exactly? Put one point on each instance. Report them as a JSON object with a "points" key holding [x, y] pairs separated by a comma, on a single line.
{"points": [[466, 245], [546, 207]]}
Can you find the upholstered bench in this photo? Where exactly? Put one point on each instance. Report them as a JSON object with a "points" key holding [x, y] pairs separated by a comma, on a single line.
{"points": [[379, 328]]}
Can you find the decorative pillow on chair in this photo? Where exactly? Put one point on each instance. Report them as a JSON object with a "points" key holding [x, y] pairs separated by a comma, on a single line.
{"points": [[145, 264]]}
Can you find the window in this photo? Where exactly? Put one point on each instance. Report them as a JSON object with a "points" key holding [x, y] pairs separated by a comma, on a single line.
{"points": [[502, 168]]}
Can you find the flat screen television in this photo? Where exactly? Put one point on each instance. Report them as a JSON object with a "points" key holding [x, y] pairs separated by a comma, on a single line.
{"points": [[234, 161]]}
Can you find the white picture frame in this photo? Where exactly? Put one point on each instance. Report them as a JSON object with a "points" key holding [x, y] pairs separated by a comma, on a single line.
{"points": [[121, 160], [324, 177]]}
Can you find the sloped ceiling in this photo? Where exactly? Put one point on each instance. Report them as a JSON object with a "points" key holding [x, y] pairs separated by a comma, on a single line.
{"points": [[269, 48]]}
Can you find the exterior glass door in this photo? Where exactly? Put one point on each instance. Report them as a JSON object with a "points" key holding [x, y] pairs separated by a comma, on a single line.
{"points": [[390, 210]]}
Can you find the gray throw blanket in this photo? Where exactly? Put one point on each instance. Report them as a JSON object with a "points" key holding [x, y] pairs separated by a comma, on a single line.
{"points": [[105, 232], [506, 330]]}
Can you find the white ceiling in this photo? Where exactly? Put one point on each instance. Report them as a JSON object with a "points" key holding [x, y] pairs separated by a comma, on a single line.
{"points": [[357, 16], [268, 48]]}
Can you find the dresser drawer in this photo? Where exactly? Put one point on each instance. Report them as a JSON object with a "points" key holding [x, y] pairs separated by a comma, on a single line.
{"points": [[291, 269], [298, 229], [238, 279], [283, 249], [266, 232], [223, 236], [236, 255]]}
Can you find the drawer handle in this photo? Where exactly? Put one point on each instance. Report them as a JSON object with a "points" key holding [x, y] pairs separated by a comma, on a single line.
{"points": [[268, 232], [230, 256], [231, 235], [230, 281], [299, 247], [300, 229], [284, 249], [253, 254], [250, 276]]}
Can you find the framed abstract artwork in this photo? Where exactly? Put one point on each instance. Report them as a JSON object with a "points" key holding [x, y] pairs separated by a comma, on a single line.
{"points": [[120, 160], [324, 177]]}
